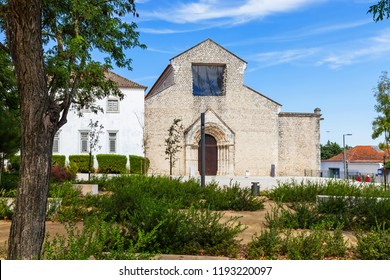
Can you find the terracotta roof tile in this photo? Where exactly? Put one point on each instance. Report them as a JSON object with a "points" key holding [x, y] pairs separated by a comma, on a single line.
{"points": [[122, 82], [361, 154]]}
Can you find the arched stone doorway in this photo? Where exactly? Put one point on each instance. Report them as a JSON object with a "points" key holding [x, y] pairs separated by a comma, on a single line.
{"points": [[211, 161], [223, 145]]}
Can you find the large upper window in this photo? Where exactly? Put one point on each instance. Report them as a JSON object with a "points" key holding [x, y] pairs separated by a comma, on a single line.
{"points": [[208, 80]]}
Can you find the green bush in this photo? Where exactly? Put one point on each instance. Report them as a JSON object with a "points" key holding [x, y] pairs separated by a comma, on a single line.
{"points": [[81, 161], [14, 163], [267, 245], [97, 240], [5, 210], [58, 160], [137, 164], [9, 181], [154, 204], [316, 244], [307, 191], [111, 163], [373, 245]]}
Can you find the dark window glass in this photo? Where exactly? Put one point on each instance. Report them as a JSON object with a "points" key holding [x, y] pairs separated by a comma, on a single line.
{"points": [[207, 80]]}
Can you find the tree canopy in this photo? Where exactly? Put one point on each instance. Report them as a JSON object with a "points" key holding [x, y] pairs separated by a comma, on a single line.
{"points": [[330, 149], [380, 10], [381, 124], [52, 45], [9, 108]]}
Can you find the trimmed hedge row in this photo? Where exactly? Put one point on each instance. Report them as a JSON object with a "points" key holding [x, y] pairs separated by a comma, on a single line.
{"points": [[137, 165], [14, 161], [108, 163], [81, 161], [111, 163], [58, 160]]}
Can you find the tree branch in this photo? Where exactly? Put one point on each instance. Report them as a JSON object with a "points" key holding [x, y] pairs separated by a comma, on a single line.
{"points": [[3, 10], [4, 48]]}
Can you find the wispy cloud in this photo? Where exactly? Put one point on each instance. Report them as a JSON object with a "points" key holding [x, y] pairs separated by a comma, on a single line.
{"points": [[161, 31], [267, 59], [369, 49], [160, 51], [333, 56], [236, 10], [299, 34]]}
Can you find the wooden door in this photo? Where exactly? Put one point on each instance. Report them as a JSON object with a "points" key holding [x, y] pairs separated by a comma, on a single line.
{"points": [[211, 156]]}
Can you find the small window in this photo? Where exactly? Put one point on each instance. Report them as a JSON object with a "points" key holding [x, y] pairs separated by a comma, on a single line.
{"points": [[112, 142], [84, 142], [208, 80], [113, 105], [56, 143]]}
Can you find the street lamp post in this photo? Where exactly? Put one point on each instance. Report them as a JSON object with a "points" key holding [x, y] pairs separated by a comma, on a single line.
{"points": [[345, 156]]}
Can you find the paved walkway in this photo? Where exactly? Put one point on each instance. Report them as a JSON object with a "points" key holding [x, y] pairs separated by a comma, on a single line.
{"points": [[264, 182]]}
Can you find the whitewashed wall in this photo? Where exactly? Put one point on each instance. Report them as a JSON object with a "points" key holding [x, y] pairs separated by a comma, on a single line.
{"points": [[353, 167], [128, 123]]}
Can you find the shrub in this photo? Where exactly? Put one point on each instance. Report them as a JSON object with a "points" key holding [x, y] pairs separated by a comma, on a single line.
{"points": [[111, 163], [231, 198], [317, 244], [373, 245], [58, 160], [5, 210], [14, 163], [98, 240], [9, 181], [61, 174], [137, 165], [267, 245], [81, 161]]}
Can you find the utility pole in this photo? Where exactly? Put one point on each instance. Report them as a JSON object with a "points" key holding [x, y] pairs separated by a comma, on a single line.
{"points": [[202, 150], [345, 157]]}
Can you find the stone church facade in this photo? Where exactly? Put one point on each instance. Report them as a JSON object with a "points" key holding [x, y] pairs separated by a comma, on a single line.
{"points": [[246, 132]]}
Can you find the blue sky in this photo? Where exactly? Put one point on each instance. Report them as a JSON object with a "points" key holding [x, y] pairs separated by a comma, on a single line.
{"points": [[301, 53]]}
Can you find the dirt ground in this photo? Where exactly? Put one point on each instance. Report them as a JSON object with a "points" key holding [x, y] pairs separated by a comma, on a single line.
{"points": [[253, 220]]}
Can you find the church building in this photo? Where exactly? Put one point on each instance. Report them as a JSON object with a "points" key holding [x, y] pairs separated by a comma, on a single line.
{"points": [[246, 132]]}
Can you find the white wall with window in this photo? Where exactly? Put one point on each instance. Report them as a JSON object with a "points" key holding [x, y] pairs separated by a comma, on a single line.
{"points": [[122, 121], [56, 143], [112, 141]]}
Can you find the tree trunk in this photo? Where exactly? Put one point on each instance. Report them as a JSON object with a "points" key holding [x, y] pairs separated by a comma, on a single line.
{"points": [[38, 126]]}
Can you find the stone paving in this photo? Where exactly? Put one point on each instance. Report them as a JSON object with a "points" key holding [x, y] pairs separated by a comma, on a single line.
{"points": [[264, 182]]}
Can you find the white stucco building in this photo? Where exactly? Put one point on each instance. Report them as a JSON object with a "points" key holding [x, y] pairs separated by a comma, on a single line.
{"points": [[360, 160], [123, 122]]}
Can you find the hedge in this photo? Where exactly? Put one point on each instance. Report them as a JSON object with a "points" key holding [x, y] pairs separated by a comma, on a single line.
{"points": [[137, 164], [58, 160], [14, 163], [81, 161], [111, 163]]}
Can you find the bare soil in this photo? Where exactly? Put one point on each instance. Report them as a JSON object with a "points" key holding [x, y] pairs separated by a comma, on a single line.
{"points": [[254, 221]]}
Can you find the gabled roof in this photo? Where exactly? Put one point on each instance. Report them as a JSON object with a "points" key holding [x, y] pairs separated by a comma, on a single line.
{"points": [[360, 154], [159, 80], [255, 91], [209, 40], [122, 81]]}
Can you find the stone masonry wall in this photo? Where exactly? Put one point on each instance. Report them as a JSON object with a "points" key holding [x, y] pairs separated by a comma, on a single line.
{"points": [[299, 143], [253, 119]]}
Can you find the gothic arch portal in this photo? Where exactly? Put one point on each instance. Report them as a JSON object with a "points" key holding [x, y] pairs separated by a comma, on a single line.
{"points": [[224, 136]]}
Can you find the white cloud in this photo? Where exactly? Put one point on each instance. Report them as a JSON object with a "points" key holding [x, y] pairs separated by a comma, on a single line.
{"points": [[237, 10], [285, 56], [368, 49], [333, 56]]}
